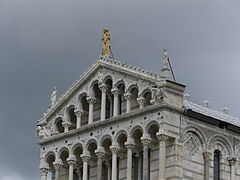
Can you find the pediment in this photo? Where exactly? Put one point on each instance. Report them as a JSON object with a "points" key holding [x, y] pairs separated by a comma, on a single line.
{"points": [[102, 70]]}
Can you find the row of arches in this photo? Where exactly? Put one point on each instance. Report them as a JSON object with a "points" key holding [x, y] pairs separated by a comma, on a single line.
{"points": [[102, 102], [219, 146]]}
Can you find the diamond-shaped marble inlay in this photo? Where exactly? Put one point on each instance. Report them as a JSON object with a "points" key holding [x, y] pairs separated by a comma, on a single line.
{"points": [[191, 144]]}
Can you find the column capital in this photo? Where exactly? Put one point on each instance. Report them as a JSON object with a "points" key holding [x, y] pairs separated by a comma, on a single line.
{"points": [[207, 154], [91, 100], [72, 159], [85, 156], [146, 139], [128, 96], [78, 112], [66, 124], [57, 164], [114, 148], [115, 91], [100, 152], [162, 137], [130, 144], [141, 100], [232, 161], [44, 170], [103, 87]]}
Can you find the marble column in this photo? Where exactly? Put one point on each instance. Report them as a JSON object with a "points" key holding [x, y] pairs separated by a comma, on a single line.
{"points": [[108, 170], [139, 163], [66, 126], [114, 150], [91, 102], [103, 88], [207, 156], [129, 145], [146, 140], [71, 162], [141, 101], [115, 92], [162, 155], [232, 163], [128, 97], [57, 166], [100, 154], [44, 172], [79, 172], [85, 158], [79, 114]]}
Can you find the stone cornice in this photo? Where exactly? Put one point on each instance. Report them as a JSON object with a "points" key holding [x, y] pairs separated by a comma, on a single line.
{"points": [[109, 121]]}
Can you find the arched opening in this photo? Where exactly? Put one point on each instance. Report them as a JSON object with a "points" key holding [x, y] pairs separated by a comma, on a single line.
{"points": [[109, 99], [91, 148], [78, 171], [84, 107], [50, 159], [122, 155], [72, 117], [106, 166], [147, 97], [134, 103], [121, 99], [64, 169], [216, 165], [59, 126], [97, 94], [138, 156], [152, 130]]}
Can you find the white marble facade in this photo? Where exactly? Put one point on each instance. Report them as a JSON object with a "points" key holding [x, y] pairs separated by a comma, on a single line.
{"points": [[122, 122]]}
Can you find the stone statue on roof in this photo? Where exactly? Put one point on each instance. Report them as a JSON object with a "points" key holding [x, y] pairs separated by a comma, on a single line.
{"points": [[106, 40], [54, 96]]}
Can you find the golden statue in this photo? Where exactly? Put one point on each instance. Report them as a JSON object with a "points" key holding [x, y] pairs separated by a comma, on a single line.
{"points": [[106, 40]]}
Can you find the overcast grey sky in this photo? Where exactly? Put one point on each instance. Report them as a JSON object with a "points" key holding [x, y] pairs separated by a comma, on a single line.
{"points": [[51, 43]]}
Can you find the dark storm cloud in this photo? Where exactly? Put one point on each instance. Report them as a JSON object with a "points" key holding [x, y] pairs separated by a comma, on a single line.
{"points": [[47, 43]]}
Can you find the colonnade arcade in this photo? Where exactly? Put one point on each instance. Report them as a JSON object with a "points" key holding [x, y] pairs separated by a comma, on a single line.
{"points": [[103, 101], [107, 154]]}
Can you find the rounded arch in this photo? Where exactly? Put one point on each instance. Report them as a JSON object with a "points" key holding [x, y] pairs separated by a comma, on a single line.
{"points": [[119, 82], [57, 125], [119, 133], [107, 77], [80, 99], [149, 124], [144, 91], [105, 136], [221, 143], [134, 128], [198, 132], [62, 149], [88, 142], [75, 146], [70, 106], [131, 87], [93, 83], [48, 154]]}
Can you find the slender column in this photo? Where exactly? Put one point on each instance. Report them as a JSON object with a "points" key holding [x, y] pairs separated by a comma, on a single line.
{"points": [[162, 155], [129, 147], [79, 114], [91, 102], [100, 153], [71, 162], [103, 88], [66, 126], [207, 155], [114, 150], [232, 163], [57, 166], [108, 170], [141, 101], [128, 97], [115, 101], [139, 165], [146, 140], [44, 172], [79, 172], [85, 158]]}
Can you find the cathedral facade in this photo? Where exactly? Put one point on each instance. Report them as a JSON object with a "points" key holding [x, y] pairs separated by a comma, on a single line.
{"points": [[122, 122]]}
